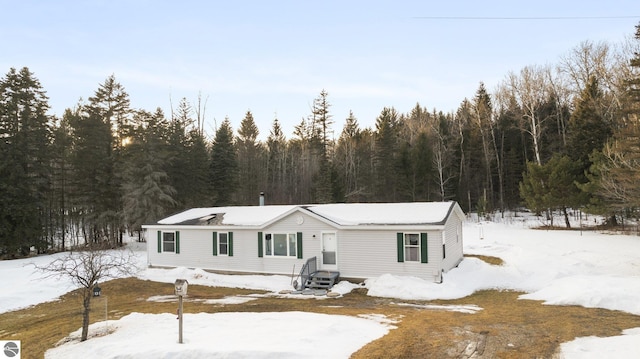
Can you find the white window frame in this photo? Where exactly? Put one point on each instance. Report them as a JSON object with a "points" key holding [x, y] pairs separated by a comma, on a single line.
{"points": [[291, 245], [220, 243], [408, 246], [165, 242]]}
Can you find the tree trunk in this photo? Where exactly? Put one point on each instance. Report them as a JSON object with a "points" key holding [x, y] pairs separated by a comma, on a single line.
{"points": [[566, 217], [86, 305]]}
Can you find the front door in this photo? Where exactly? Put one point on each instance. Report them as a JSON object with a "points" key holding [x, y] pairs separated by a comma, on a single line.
{"points": [[329, 251]]}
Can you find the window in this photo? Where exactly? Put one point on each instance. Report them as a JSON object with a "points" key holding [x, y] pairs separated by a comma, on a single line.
{"points": [[267, 245], [412, 247], [223, 242], [281, 244], [168, 242], [444, 245]]}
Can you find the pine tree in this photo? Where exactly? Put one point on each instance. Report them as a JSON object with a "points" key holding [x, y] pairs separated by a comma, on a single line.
{"points": [[92, 177], [223, 166], [110, 105], [197, 158], [250, 159], [552, 186], [147, 194], [277, 166], [302, 162], [61, 168], [385, 164], [422, 165], [482, 118], [111, 102], [177, 161], [350, 160], [615, 173], [24, 169], [588, 129], [321, 121]]}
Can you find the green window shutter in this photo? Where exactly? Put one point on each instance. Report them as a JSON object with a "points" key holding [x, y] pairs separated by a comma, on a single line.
{"points": [[299, 244], [400, 237], [215, 243], [230, 244], [159, 241], [177, 242], [424, 254], [260, 248]]}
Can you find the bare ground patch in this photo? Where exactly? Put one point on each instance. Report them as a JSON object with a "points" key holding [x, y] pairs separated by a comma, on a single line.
{"points": [[505, 327]]}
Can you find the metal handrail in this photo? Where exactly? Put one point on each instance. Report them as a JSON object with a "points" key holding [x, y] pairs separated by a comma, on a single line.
{"points": [[309, 267]]}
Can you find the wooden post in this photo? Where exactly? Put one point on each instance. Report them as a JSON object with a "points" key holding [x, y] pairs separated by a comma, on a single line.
{"points": [[180, 319]]}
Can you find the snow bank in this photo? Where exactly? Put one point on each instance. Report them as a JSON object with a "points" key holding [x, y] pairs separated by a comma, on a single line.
{"points": [[226, 335]]}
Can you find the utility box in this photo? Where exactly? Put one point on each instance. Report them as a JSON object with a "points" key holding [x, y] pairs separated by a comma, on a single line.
{"points": [[181, 287]]}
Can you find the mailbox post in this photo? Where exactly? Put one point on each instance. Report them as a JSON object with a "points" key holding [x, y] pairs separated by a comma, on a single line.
{"points": [[181, 290]]}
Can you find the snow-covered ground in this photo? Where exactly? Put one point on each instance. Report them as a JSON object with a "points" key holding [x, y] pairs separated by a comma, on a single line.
{"points": [[559, 267]]}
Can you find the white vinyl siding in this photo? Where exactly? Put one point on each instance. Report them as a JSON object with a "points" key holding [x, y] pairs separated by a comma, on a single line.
{"points": [[361, 252]]}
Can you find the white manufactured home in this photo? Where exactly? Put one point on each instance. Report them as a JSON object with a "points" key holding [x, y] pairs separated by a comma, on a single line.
{"points": [[358, 240]]}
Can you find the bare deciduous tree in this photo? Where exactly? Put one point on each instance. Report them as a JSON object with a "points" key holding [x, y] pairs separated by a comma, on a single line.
{"points": [[86, 268], [530, 89]]}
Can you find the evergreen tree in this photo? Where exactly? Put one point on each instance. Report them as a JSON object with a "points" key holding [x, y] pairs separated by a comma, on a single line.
{"points": [[147, 194], [615, 173], [302, 161], [422, 166], [176, 150], [198, 193], [552, 186], [92, 177], [511, 148], [385, 163], [24, 169], [223, 166], [468, 154], [277, 166], [111, 102], [187, 153], [588, 130], [250, 154], [321, 122], [61, 150], [482, 123], [110, 105], [350, 160]]}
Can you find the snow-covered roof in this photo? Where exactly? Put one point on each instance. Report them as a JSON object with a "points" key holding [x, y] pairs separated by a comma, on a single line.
{"points": [[238, 216], [346, 214], [384, 213]]}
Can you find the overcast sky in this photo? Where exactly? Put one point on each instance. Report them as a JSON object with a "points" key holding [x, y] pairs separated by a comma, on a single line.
{"points": [[274, 57]]}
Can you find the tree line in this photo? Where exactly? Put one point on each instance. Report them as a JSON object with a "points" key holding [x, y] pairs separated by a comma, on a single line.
{"points": [[549, 138]]}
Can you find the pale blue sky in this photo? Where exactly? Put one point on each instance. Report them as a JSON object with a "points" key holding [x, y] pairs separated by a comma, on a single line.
{"points": [[274, 57]]}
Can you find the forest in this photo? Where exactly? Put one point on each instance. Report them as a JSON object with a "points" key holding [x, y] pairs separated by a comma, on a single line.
{"points": [[553, 139]]}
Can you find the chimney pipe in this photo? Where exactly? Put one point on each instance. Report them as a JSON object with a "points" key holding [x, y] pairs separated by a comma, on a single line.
{"points": [[261, 198]]}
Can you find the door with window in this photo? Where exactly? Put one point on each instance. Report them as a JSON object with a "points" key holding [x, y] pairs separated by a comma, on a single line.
{"points": [[329, 251]]}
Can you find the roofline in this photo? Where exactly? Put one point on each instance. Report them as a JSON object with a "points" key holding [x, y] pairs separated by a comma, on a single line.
{"points": [[353, 227], [305, 210], [344, 226]]}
